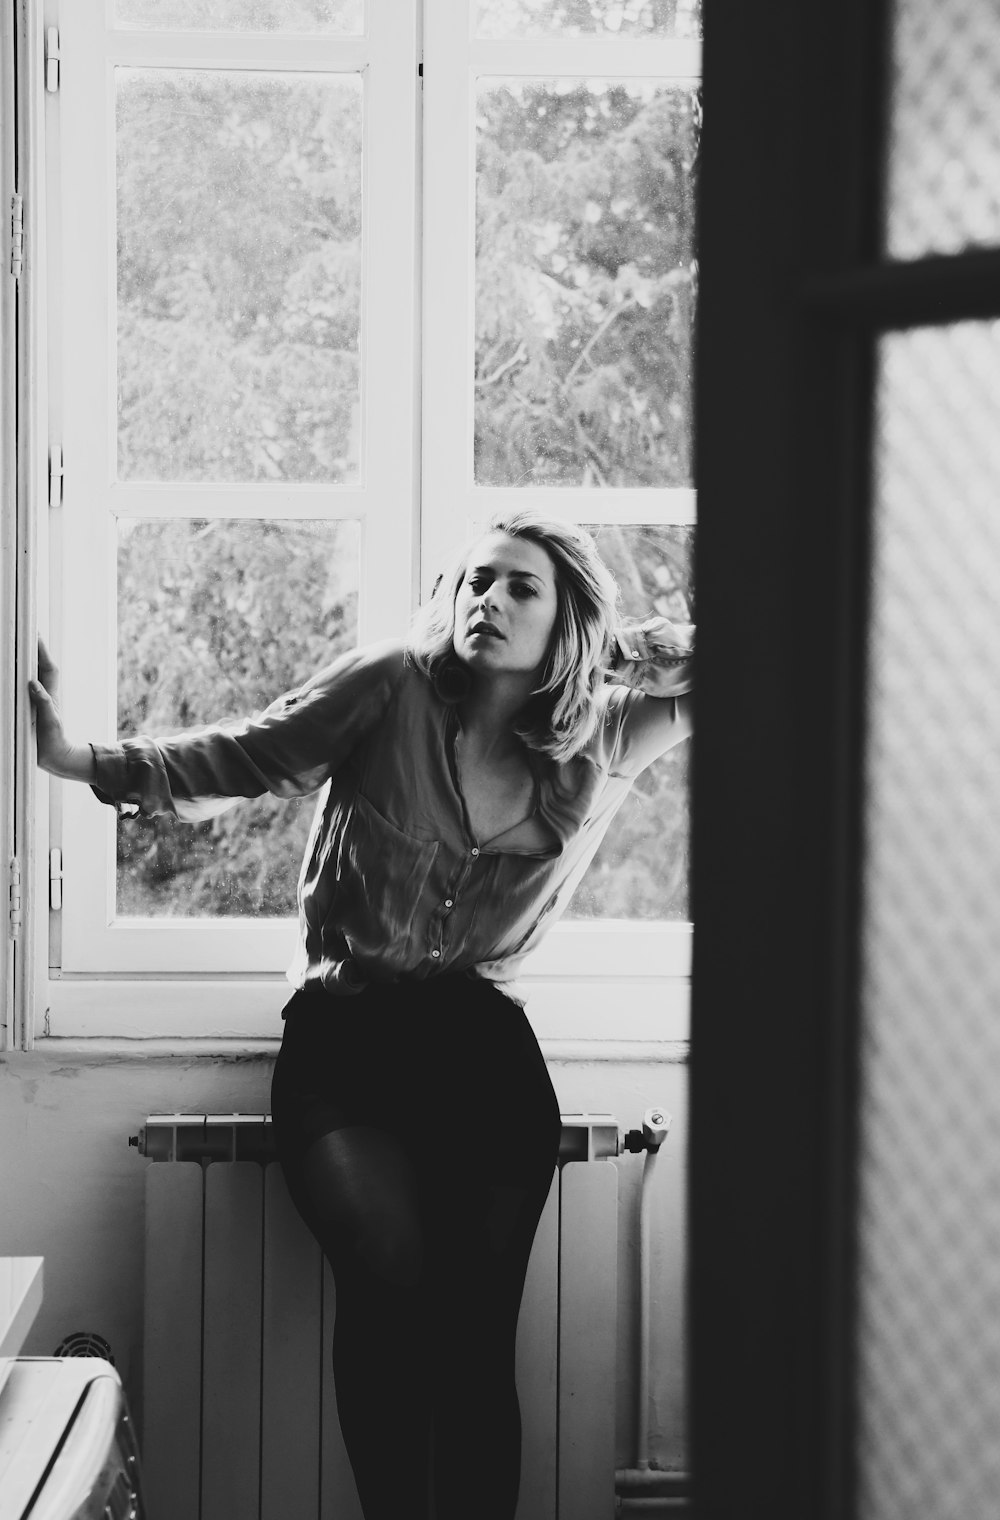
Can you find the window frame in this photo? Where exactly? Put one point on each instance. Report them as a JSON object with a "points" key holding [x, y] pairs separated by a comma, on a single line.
{"points": [[8, 518], [93, 940], [578, 969], [23, 455]]}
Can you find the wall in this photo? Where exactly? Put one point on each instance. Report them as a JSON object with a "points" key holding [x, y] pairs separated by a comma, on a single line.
{"points": [[73, 1190]]}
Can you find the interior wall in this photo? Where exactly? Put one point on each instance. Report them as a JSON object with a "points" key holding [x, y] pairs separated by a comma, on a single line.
{"points": [[73, 1192]]}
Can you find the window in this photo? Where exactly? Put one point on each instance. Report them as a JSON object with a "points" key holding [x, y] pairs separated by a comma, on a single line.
{"points": [[329, 283]]}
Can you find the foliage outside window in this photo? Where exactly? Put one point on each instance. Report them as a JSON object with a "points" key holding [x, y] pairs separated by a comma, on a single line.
{"points": [[239, 276]]}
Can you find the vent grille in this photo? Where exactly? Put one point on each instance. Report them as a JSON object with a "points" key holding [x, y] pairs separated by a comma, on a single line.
{"points": [[85, 1343]]}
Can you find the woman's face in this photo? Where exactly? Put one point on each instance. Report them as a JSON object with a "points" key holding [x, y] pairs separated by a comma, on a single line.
{"points": [[505, 606]]}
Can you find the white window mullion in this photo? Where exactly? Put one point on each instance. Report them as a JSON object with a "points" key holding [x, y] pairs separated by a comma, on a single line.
{"points": [[586, 57], [237, 50], [626, 504], [449, 164], [389, 322], [248, 502]]}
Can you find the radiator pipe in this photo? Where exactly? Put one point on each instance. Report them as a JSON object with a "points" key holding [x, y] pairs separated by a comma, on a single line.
{"points": [[655, 1128], [643, 1490], [642, 1415]]}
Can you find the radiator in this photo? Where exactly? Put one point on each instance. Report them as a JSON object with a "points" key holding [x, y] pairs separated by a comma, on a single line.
{"points": [[239, 1405]]}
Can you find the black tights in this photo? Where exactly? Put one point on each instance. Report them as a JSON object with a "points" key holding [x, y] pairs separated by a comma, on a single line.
{"points": [[426, 1213]]}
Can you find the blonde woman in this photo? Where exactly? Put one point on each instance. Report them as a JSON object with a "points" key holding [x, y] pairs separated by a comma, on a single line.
{"points": [[469, 776]]}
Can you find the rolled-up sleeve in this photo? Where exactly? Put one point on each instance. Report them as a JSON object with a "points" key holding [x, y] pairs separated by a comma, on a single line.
{"points": [[655, 665], [289, 750]]}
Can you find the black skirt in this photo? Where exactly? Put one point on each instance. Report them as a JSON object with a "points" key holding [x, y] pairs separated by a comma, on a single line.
{"points": [[450, 1065]]}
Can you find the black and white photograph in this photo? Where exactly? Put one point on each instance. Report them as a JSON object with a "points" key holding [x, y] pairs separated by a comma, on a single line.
{"points": [[499, 733]]}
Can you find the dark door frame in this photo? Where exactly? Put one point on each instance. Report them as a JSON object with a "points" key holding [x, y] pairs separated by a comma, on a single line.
{"points": [[794, 292]]}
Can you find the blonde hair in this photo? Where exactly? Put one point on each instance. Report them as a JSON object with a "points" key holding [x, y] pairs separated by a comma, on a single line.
{"points": [[562, 713]]}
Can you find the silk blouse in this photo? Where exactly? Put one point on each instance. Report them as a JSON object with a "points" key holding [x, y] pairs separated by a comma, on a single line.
{"points": [[393, 883]]}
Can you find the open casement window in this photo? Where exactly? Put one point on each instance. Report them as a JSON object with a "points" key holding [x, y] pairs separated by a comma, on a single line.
{"points": [[238, 244], [327, 295]]}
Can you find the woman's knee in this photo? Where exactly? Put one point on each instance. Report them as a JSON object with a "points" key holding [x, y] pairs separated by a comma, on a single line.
{"points": [[392, 1249]]}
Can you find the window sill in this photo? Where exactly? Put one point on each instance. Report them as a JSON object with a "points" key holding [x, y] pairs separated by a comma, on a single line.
{"points": [[103, 1050], [591, 1012]]}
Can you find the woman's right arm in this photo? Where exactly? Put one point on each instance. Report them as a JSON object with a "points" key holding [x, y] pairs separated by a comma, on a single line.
{"points": [[289, 750], [56, 754]]}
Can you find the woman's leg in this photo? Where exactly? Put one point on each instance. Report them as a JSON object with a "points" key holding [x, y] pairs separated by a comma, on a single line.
{"points": [[356, 1190], [483, 1208], [476, 1282], [429, 1239]]}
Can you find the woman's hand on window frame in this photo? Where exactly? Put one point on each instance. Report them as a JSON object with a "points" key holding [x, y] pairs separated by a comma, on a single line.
{"points": [[56, 754]]}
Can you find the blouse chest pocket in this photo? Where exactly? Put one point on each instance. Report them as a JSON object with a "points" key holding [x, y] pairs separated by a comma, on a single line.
{"points": [[380, 876], [520, 883]]}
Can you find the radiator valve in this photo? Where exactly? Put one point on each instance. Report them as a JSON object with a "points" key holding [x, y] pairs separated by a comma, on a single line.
{"points": [[655, 1128]]}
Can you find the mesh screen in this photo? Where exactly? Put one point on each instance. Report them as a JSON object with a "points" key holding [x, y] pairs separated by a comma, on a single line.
{"points": [[944, 128], [929, 1283]]}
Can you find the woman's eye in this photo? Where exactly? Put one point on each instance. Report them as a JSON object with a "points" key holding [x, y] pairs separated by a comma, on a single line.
{"points": [[522, 589]]}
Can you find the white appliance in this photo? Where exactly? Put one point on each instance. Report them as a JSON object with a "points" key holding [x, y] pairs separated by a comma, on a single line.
{"points": [[67, 1445]]}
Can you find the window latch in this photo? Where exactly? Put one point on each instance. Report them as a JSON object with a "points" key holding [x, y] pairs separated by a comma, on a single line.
{"points": [[52, 59], [55, 879], [55, 476]]}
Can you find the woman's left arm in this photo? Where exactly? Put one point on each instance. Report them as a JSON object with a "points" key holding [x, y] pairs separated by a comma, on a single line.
{"points": [[655, 659]]}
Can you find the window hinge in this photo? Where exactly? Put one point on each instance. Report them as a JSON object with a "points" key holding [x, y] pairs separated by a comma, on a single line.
{"points": [[16, 235], [55, 880], [52, 60], [55, 476], [15, 897]]}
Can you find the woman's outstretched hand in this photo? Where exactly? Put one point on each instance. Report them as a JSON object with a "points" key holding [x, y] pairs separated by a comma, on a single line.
{"points": [[74, 762]]}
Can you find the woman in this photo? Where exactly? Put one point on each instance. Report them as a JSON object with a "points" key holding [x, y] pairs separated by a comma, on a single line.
{"points": [[469, 776]]}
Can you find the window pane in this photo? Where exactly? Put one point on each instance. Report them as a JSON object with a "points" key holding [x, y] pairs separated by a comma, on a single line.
{"points": [[944, 128], [585, 283], [928, 1334], [339, 17], [239, 276], [576, 18], [641, 868], [215, 620]]}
